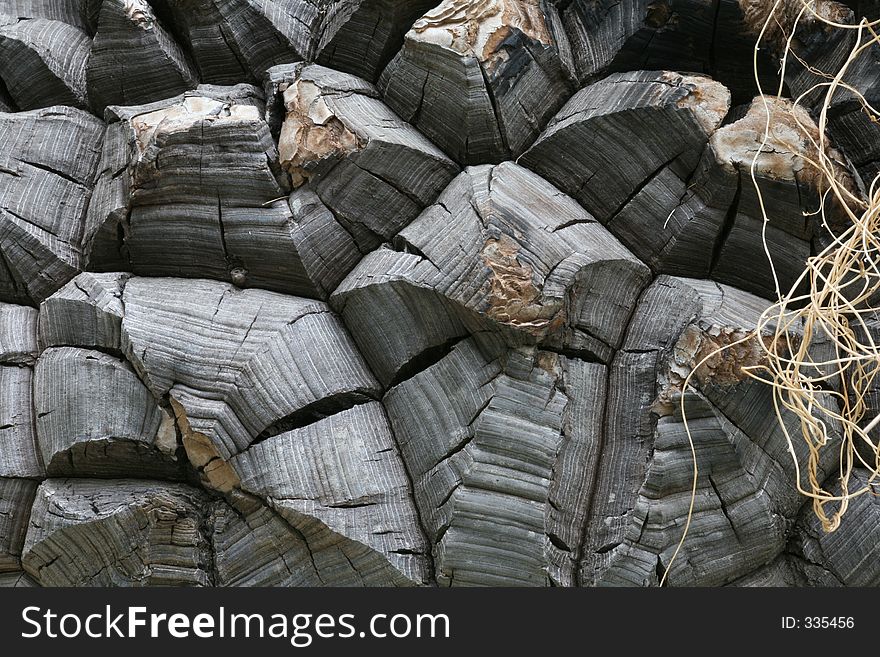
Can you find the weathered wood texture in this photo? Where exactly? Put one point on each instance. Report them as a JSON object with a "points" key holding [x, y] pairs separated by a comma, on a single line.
{"points": [[72, 12], [208, 214], [702, 36], [47, 165], [340, 483], [410, 299], [372, 170], [501, 250], [43, 62], [361, 36], [16, 498], [819, 49], [642, 490], [238, 40], [479, 79], [684, 201], [72, 387], [135, 533], [232, 359], [134, 59]]}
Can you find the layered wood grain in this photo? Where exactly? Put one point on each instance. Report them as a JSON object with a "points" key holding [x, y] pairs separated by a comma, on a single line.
{"points": [[385, 293]]}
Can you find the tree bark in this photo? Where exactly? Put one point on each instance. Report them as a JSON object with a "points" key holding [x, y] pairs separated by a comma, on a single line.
{"points": [[385, 293]]}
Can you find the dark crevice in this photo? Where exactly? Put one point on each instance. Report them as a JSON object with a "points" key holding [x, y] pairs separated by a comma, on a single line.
{"points": [[575, 354], [716, 14], [594, 476], [414, 120], [121, 246], [724, 508], [233, 48], [455, 449], [402, 245], [350, 504], [558, 542], [660, 571], [403, 192], [601, 438], [60, 174], [346, 224], [483, 406], [448, 495], [605, 549], [493, 101], [31, 223], [427, 358], [727, 226], [315, 412], [19, 289], [108, 351], [573, 222]]}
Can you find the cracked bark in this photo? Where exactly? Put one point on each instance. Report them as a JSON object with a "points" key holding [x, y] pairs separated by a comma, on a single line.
{"points": [[329, 356]]}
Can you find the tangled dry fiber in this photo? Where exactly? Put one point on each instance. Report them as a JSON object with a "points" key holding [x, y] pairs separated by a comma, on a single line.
{"points": [[841, 303]]}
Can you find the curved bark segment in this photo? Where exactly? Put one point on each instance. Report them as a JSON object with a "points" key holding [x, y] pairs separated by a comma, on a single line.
{"points": [[16, 498], [87, 312], [373, 170], [238, 40], [191, 187], [131, 40], [642, 491], [818, 48], [340, 483], [254, 546], [72, 12], [501, 250], [397, 320], [628, 136], [790, 189], [849, 555], [488, 440], [18, 351], [361, 36], [480, 79], [18, 447], [18, 335], [136, 533], [681, 212], [47, 167], [75, 387], [709, 37], [43, 62], [721, 207], [239, 363]]}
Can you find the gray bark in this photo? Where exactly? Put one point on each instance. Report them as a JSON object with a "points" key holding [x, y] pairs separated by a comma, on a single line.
{"points": [[46, 168], [361, 36], [131, 39], [485, 96], [138, 533], [43, 62], [373, 171], [270, 333], [238, 40]]}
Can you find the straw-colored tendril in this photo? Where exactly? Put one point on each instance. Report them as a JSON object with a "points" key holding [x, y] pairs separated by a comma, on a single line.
{"points": [[841, 304]]}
